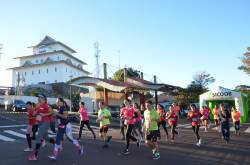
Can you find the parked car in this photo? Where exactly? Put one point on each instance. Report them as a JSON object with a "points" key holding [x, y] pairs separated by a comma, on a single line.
{"points": [[1, 102], [16, 105], [115, 111]]}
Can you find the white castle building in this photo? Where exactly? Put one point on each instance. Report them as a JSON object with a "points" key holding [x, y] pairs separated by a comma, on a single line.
{"points": [[51, 62]]}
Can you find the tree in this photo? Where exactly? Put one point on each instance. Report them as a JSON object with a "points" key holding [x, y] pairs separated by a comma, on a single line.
{"points": [[245, 59], [202, 79], [119, 75]]}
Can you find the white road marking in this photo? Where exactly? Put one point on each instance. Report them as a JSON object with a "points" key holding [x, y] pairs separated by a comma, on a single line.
{"points": [[15, 133], [7, 139], [12, 126]]}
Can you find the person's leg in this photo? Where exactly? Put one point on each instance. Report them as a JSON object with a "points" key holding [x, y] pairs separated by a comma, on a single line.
{"points": [[80, 130], [164, 125], [34, 130], [90, 129], [197, 132], [59, 136], [28, 137]]}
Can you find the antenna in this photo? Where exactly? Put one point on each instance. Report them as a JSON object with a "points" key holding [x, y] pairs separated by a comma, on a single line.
{"points": [[97, 56], [1, 47]]}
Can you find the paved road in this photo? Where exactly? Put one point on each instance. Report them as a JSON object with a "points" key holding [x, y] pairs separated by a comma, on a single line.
{"points": [[212, 152]]}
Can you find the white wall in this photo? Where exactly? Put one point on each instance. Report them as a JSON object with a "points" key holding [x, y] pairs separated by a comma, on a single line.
{"points": [[71, 71]]}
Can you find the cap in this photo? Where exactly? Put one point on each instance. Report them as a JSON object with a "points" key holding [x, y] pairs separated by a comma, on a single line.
{"points": [[41, 95]]}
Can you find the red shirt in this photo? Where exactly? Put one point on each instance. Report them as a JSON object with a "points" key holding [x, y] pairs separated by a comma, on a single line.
{"points": [[162, 114], [84, 114], [195, 118], [172, 120], [44, 109], [128, 113], [30, 114]]}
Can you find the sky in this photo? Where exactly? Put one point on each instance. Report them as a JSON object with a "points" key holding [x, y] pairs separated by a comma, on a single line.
{"points": [[172, 39]]}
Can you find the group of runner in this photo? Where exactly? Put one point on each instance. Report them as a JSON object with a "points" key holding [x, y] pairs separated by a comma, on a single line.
{"points": [[136, 124]]}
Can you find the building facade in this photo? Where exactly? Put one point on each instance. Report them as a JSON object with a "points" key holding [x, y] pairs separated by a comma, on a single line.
{"points": [[51, 62]]}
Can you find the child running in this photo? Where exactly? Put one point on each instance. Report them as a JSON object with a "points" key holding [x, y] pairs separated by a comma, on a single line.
{"points": [[172, 121], [84, 120], [151, 118], [236, 120], [194, 117], [31, 114], [64, 127], [103, 117], [205, 116], [162, 122]]}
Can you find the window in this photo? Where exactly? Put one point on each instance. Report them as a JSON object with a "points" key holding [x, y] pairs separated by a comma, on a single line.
{"points": [[58, 58], [37, 61], [39, 71], [55, 69], [41, 60], [32, 72], [25, 73], [47, 70]]}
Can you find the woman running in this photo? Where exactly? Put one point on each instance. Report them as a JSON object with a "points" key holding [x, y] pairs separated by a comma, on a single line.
{"points": [[205, 116], [172, 121], [44, 117], [194, 117], [162, 122], [138, 121], [122, 127], [216, 117], [31, 114], [129, 121], [224, 116], [64, 127], [103, 117], [236, 120], [84, 120]]}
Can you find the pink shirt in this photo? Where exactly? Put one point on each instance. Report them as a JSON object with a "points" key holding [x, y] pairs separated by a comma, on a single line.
{"points": [[84, 114], [205, 112], [128, 113]]}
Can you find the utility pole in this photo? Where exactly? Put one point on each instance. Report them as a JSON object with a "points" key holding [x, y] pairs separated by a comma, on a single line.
{"points": [[156, 95], [70, 95], [105, 91]]}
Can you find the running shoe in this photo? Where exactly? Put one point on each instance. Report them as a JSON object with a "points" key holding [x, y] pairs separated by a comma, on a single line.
{"points": [[52, 157], [43, 143], [125, 152], [81, 150], [156, 156], [28, 149], [33, 157], [199, 141], [198, 144]]}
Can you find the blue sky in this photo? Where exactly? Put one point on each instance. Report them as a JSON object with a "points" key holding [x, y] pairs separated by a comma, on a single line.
{"points": [[173, 39]]}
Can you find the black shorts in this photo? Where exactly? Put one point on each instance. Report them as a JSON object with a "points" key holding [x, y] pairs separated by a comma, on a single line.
{"points": [[152, 136], [104, 129]]}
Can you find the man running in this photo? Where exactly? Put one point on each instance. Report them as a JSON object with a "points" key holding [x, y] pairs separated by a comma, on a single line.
{"points": [[64, 127], [236, 120], [194, 117], [224, 116], [84, 120], [103, 117], [151, 118], [129, 121]]}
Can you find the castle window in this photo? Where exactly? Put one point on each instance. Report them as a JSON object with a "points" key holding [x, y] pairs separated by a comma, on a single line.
{"points": [[47, 70]]}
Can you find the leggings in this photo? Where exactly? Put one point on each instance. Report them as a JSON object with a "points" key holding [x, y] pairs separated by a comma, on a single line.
{"points": [[173, 131], [237, 126], [129, 136], [225, 130], [163, 124], [196, 131], [88, 126]]}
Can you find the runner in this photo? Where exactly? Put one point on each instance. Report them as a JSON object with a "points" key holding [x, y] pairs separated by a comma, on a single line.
{"points": [[31, 114], [151, 118], [138, 121], [122, 127], [236, 120], [205, 116], [64, 127], [103, 117], [162, 122], [172, 121], [176, 109], [216, 117], [194, 117], [44, 116], [129, 121], [84, 120], [224, 116]]}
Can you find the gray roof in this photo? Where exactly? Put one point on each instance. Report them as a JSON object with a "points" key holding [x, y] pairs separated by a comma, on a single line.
{"points": [[49, 41]]}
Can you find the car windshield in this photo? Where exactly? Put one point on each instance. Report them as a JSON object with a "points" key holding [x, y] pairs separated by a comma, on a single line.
{"points": [[18, 102]]}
